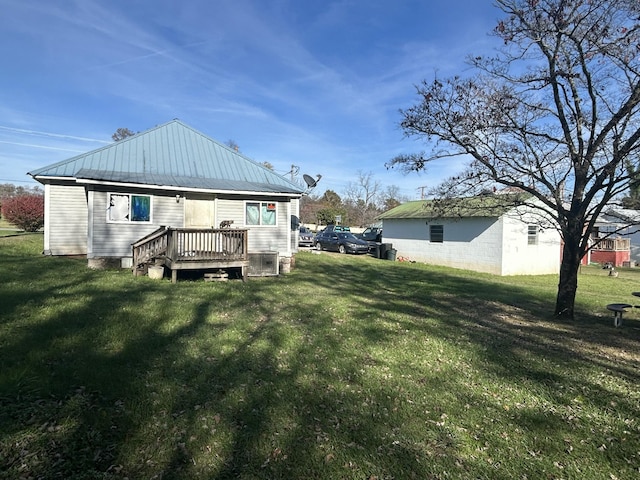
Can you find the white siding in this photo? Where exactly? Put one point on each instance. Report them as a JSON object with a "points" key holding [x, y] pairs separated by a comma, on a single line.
{"points": [[490, 245], [229, 209], [472, 244], [65, 220], [115, 239], [167, 212], [272, 238], [76, 223], [261, 238], [520, 258]]}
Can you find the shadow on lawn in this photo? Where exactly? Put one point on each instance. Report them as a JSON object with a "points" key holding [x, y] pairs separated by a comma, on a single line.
{"points": [[251, 382]]}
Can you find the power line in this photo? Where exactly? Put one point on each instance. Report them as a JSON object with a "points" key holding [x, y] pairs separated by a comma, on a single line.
{"points": [[10, 180]]}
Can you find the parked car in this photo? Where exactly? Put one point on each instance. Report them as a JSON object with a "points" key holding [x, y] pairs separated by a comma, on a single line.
{"points": [[371, 234], [343, 242], [305, 239], [335, 228]]}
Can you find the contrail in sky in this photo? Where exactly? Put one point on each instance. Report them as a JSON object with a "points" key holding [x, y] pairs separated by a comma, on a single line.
{"points": [[46, 147], [49, 134]]}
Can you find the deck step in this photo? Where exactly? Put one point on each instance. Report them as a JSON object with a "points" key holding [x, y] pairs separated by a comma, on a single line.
{"points": [[219, 276]]}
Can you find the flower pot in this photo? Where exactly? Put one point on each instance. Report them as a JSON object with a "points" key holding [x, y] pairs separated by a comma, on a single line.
{"points": [[156, 272]]}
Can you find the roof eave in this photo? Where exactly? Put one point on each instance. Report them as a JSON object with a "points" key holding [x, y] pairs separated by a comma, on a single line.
{"points": [[171, 188]]}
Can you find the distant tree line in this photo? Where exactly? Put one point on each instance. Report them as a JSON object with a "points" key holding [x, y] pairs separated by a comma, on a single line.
{"points": [[9, 190], [362, 201]]}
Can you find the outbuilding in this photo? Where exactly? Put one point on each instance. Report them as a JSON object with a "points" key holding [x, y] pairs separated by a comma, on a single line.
{"points": [[493, 233]]}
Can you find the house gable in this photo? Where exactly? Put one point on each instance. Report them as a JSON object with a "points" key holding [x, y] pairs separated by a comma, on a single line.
{"points": [[173, 156]]}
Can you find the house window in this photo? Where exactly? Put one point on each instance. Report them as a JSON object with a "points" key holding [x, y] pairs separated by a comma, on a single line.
{"points": [[260, 213], [129, 208], [436, 233], [532, 235]]}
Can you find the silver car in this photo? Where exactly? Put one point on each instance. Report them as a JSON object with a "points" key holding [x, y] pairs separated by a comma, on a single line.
{"points": [[305, 238]]}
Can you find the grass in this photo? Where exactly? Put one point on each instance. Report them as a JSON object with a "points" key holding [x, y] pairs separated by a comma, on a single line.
{"points": [[348, 367], [8, 229]]}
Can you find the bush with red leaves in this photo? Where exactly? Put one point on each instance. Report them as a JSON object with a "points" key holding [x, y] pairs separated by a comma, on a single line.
{"points": [[24, 211]]}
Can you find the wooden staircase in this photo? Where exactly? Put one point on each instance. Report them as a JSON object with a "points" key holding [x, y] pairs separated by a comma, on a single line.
{"points": [[151, 247]]}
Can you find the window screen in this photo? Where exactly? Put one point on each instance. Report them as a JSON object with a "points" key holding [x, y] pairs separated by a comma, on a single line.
{"points": [[532, 235], [436, 233]]}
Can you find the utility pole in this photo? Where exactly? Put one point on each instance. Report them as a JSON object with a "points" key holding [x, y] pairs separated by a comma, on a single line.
{"points": [[294, 172], [421, 191]]}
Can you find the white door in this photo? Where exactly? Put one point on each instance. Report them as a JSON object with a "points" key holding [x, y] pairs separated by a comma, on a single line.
{"points": [[199, 213]]}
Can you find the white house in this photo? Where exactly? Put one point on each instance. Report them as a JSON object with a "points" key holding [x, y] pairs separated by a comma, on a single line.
{"points": [[483, 234], [102, 202]]}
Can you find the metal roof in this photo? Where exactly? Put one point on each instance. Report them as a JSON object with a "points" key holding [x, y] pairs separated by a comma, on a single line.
{"points": [[619, 217], [493, 205], [173, 155]]}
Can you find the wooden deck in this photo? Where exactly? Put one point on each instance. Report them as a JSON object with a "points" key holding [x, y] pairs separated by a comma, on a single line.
{"points": [[194, 249]]}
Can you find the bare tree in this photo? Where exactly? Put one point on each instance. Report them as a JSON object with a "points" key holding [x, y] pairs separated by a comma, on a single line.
{"points": [[121, 134], [362, 197], [233, 145], [391, 198], [554, 114]]}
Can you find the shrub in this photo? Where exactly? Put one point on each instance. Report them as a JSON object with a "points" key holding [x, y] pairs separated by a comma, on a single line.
{"points": [[25, 212]]}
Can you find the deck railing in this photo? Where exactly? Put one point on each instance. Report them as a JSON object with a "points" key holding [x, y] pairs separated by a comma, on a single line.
{"points": [[612, 244], [185, 244], [150, 246], [192, 244]]}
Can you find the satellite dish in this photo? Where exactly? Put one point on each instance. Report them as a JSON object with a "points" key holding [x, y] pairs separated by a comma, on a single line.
{"points": [[310, 181]]}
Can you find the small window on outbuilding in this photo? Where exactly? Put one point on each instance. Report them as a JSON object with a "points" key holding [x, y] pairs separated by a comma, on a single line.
{"points": [[532, 235], [436, 233]]}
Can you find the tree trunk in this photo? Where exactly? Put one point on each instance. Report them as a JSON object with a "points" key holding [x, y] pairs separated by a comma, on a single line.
{"points": [[568, 284]]}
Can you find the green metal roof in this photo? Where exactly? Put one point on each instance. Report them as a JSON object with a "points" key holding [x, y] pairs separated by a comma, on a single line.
{"points": [[491, 205], [173, 155]]}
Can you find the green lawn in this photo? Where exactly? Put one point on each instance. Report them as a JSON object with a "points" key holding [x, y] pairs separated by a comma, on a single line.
{"points": [[346, 368], [7, 228]]}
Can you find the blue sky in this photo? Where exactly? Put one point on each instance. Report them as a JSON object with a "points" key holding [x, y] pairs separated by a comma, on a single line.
{"points": [[316, 84]]}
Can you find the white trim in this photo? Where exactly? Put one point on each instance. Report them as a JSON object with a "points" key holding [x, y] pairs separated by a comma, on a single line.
{"points": [[290, 234], [181, 189], [90, 200], [47, 218], [216, 222], [43, 179]]}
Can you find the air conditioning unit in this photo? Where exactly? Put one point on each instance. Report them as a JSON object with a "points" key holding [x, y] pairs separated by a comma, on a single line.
{"points": [[263, 264]]}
